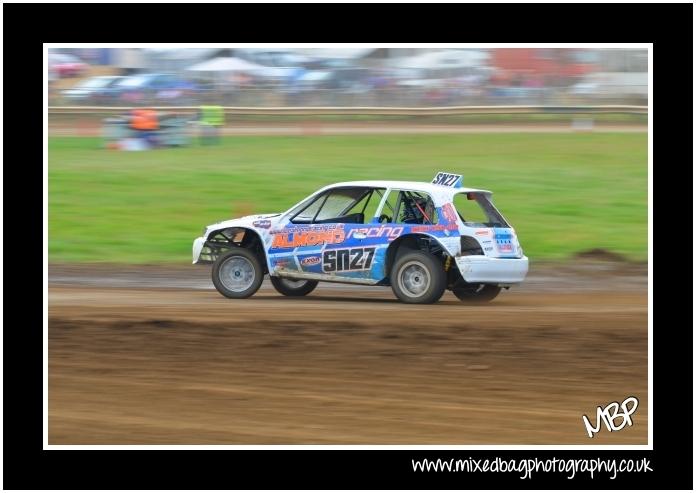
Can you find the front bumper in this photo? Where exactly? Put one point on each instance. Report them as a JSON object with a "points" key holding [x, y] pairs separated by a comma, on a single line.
{"points": [[489, 270], [198, 245]]}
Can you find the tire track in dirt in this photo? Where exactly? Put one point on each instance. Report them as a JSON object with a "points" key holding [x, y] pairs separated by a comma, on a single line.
{"points": [[348, 366]]}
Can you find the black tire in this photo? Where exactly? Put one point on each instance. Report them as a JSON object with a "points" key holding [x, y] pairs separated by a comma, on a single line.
{"points": [[239, 267], [477, 293], [418, 277], [302, 287]]}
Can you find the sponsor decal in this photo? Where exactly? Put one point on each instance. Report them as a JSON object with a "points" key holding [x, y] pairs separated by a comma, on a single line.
{"points": [[503, 240], [449, 213], [434, 227], [293, 238], [348, 259], [483, 232], [310, 261], [282, 263], [305, 228], [262, 223], [378, 232]]}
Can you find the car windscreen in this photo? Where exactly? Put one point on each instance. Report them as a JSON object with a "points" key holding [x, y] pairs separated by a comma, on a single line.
{"points": [[332, 204], [134, 81], [63, 58], [95, 83]]}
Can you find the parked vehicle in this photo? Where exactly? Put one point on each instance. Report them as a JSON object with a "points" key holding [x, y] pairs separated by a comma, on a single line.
{"points": [[153, 88], [66, 65], [92, 90]]}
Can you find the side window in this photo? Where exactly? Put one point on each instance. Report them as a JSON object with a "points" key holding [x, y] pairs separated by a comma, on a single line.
{"points": [[391, 207], [410, 207], [469, 210], [475, 210]]}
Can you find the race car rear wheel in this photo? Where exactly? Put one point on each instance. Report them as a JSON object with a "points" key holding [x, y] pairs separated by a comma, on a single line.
{"points": [[477, 293], [418, 277], [237, 273], [291, 287]]}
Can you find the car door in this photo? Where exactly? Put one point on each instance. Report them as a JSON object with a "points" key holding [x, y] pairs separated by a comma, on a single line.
{"points": [[327, 238], [403, 212]]}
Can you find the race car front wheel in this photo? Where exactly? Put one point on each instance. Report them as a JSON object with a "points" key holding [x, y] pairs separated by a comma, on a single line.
{"points": [[237, 273], [291, 287], [418, 277], [477, 293]]}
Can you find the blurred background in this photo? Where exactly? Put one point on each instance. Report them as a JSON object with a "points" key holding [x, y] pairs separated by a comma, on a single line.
{"points": [[346, 76], [560, 136]]}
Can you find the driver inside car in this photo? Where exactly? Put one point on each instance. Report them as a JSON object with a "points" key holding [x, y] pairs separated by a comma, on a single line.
{"points": [[415, 210]]}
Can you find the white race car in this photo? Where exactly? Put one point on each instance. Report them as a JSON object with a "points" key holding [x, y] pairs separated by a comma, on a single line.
{"points": [[419, 238]]}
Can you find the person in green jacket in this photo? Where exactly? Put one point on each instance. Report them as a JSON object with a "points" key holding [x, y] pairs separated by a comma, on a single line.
{"points": [[212, 119]]}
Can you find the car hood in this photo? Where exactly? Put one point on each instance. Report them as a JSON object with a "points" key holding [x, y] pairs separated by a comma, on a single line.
{"points": [[256, 221]]}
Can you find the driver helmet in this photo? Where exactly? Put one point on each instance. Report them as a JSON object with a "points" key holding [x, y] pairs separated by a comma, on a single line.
{"points": [[412, 213]]}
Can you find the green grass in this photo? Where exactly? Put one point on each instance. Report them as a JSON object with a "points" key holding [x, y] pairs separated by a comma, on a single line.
{"points": [[472, 119], [547, 118], [563, 193]]}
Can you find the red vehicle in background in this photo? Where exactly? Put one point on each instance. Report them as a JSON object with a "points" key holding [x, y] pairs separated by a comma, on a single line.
{"points": [[66, 65], [557, 62]]}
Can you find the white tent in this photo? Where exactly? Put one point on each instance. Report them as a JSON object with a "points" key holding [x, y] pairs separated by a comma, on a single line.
{"points": [[275, 72], [336, 53], [443, 59], [225, 65]]}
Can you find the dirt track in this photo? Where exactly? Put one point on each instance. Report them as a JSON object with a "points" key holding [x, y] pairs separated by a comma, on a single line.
{"points": [[133, 361]]}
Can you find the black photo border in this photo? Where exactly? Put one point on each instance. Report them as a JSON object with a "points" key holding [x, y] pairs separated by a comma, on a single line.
{"points": [[26, 26]]}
